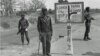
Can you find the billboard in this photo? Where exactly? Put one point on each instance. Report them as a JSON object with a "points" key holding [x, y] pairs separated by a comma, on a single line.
{"points": [[62, 12]]}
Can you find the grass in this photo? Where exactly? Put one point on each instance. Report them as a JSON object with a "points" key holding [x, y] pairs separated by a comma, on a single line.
{"points": [[12, 21]]}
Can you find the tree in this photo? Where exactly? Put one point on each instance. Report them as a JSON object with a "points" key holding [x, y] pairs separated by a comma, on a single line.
{"points": [[8, 6], [43, 1], [37, 4]]}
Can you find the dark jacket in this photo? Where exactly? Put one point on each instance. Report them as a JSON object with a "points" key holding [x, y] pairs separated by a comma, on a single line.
{"points": [[88, 18], [44, 24], [23, 24]]}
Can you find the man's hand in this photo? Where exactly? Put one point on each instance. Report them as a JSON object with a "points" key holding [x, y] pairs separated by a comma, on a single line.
{"points": [[40, 36], [26, 29], [92, 18]]}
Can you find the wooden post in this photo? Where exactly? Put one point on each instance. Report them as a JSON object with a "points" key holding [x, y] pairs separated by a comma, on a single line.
{"points": [[69, 35]]}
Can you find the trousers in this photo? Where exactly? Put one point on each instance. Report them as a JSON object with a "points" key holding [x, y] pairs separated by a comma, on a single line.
{"points": [[46, 42], [86, 35], [23, 32]]}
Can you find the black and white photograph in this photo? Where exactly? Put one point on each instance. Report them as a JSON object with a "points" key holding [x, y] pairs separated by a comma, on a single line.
{"points": [[49, 27]]}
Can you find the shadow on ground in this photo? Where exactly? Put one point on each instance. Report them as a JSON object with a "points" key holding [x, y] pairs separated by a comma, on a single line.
{"points": [[2, 48], [60, 54], [34, 54], [77, 39], [15, 44], [92, 54]]}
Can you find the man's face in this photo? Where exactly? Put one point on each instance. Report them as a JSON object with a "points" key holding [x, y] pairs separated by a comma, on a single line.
{"points": [[44, 12], [22, 17], [88, 9]]}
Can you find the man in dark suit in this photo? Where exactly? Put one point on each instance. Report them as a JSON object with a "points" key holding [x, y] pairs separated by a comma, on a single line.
{"points": [[44, 26], [23, 28], [88, 19]]}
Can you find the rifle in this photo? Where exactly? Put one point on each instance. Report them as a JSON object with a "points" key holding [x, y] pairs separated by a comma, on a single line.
{"points": [[19, 31]]}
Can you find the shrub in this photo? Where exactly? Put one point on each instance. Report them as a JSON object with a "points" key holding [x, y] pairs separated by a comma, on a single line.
{"points": [[21, 12], [51, 11], [5, 25], [32, 20]]}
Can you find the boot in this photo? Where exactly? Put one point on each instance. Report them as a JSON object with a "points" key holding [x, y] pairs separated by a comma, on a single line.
{"points": [[88, 38]]}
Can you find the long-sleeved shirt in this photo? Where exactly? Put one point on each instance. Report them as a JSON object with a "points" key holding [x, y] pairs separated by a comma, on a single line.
{"points": [[44, 24], [23, 24]]}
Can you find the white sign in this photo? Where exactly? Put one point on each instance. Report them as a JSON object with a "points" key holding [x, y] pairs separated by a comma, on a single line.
{"points": [[62, 12]]}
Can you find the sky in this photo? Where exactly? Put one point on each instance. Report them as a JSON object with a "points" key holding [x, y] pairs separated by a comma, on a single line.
{"points": [[91, 3]]}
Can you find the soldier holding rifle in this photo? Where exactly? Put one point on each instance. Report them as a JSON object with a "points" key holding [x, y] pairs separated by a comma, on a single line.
{"points": [[88, 19], [23, 28]]}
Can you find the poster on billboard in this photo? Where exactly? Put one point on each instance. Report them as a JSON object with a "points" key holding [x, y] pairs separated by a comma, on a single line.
{"points": [[62, 12]]}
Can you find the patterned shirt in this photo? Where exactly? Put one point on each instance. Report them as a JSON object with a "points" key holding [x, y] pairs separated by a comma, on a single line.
{"points": [[44, 24]]}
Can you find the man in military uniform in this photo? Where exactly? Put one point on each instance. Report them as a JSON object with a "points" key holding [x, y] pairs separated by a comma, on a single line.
{"points": [[44, 26], [88, 19], [23, 28]]}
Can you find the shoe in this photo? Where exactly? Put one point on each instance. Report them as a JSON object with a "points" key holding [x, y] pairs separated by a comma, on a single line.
{"points": [[89, 38], [48, 54], [85, 39]]}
